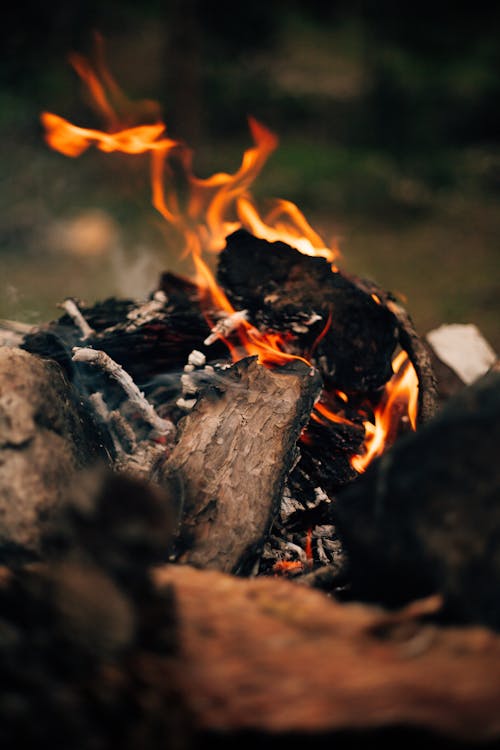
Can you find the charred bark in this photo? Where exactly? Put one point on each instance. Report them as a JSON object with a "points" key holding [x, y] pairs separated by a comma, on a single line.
{"points": [[232, 457], [144, 345], [285, 290], [425, 516]]}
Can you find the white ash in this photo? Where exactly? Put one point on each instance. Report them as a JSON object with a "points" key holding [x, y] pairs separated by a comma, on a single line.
{"points": [[314, 318], [321, 496], [147, 311], [320, 552], [197, 359], [324, 531], [76, 316], [188, 384], [100, 359], [103, 414], [289, 505], [463, 349], [225, 326], [299, 552]]}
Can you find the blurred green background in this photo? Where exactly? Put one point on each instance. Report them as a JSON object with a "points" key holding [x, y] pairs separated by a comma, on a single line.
{"points": [[389, 122]]}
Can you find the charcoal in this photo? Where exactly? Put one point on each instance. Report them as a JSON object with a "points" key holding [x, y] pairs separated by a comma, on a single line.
{"points": [[284, 290]]}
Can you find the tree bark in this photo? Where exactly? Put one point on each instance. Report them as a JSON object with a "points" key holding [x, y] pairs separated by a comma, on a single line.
{"points": [[270, 656], [45, 437], [232, 457]]}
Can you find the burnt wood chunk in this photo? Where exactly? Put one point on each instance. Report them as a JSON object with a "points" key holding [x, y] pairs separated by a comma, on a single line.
{"points": [[232, 457], [268, 655], [45, 437], [144, 347], [300, 295], [426, 515]]}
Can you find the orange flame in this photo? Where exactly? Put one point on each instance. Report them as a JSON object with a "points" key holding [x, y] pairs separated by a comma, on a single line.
{"points": [[212, 209], [399, 401]]}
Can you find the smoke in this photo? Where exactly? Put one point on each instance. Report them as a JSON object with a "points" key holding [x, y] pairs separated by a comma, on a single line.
{"points": [[137, 276]]}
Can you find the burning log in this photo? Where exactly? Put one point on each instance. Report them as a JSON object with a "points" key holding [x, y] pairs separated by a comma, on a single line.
{"points": [[45, 437], [351, 335], [234, 452], [425, 517], [143, 345]]}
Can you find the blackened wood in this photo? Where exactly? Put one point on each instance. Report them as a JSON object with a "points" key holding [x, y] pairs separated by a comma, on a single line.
{"points": [[426, 516], [232, 457], [283, 289], [161, 344], [421, 361]]}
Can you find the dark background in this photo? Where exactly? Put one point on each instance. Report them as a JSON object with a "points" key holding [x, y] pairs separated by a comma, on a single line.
{"points": [[389, 122]]}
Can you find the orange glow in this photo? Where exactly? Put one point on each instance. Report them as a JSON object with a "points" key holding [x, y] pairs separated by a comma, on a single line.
{"points": [[287, 566], [204, 214], [213, 208], [328, 414], [400, 400], [308, 548]]}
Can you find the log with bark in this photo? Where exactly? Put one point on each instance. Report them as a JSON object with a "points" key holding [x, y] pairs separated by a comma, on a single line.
{"points": [[232, 457], [46, 436]]}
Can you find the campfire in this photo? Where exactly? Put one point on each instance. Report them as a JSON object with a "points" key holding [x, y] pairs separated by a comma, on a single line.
{"points": [[247, 503]]}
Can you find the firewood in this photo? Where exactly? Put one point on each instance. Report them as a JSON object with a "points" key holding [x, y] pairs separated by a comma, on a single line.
{"points": [[144, 345], [234, 452], [86, 639], [46, 436], [425, 517], [269, 656], [300, 295]]}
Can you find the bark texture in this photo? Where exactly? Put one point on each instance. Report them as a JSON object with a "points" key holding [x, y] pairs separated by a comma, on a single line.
{"points": [[232, 457], [353, 337], [45, 437], [270, 656]]}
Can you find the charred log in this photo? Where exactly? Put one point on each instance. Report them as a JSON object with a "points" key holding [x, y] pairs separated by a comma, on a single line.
{"points": [[232, 457], [297, 294], [144, 345], [425, 516]]}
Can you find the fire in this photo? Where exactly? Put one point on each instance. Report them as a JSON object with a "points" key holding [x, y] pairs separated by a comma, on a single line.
{"points": [[398, 403], [214, 207], [210, 209]]}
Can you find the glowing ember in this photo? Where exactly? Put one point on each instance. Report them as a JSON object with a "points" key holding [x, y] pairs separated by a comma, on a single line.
{"points": [[211, 209], [288, 566]]}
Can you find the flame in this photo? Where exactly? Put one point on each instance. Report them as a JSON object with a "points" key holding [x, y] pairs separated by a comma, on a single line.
{"points": [[287, 566], [399, 401], [214, 207], [210, 210]]}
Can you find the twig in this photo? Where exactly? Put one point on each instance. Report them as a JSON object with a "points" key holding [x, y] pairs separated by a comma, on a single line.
{"points": [[102, 360], [76, 316], [225, 326]]}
